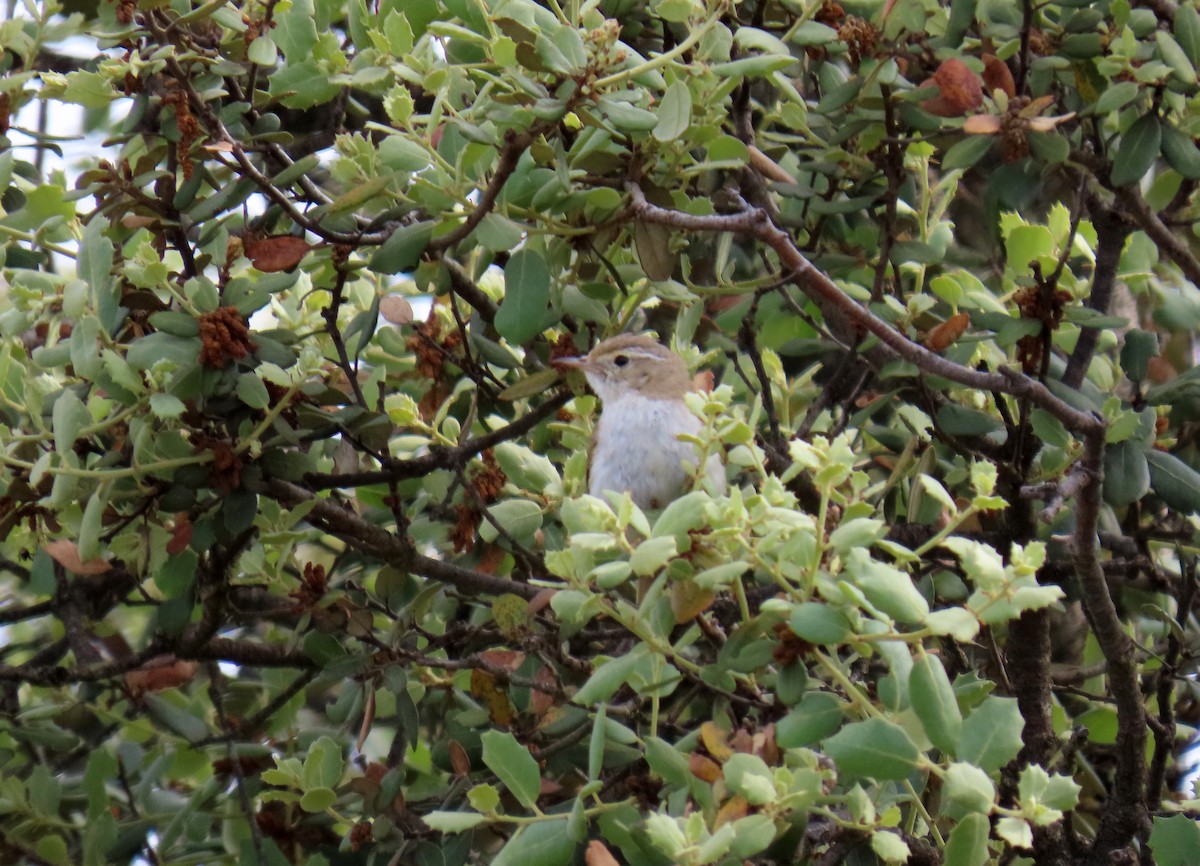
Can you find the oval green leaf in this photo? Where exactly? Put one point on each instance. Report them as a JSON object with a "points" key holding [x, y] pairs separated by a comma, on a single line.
{"points": [[522, 313], [1139, 148]]}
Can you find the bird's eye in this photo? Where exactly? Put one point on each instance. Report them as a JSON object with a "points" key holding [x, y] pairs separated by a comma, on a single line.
{"points": [[620, 360]]}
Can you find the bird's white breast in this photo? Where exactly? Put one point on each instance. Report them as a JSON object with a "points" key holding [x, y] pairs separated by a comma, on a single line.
{"points": [[637, 449]]}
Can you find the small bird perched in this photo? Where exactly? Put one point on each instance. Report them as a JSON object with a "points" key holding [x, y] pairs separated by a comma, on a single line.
{"points": [[636, 446]]}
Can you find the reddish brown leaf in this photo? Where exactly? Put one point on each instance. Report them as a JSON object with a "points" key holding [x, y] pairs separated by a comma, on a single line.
{"points": [[459, 760], [510, 660], [997, 76], [704, 768], [275, 253], [599, 855], [66, 554], [732, 809], [945, 335], [368, 719], [181, 534], [961, 90], [163, 672], [541, 702]]}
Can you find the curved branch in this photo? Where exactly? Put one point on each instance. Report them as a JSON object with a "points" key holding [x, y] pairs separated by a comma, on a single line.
{"points": [[1129, 198], [441, 458], [1125, 815], [383, 545], [515, 144], [849, 318]]}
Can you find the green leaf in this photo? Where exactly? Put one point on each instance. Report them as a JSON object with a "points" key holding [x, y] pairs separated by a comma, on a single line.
{"points": [[1049, 429], [400, 153], [1180, 151], [991, 735], [1176, 483], [403, 249], [175, 323], [323, 765], [816, 716], [1175, 57], [674, 112], [821, 624], [607, 678], [750, 776], [179, 720], [483, 798], [966, 789], [520, 518], [546, 843], [1126, 473], [95, 268], [252, 391], [652, 554], [317, 799], [653, 242], [1187, 33], [453, 822], [968, 842], [890, 847], [1118, 96], [963, 421], [887, 588], [1139, 148], [513, 765], [932, 699], [967, 152], [875, 749], [262, 51], [303, 85], [1175, 840], [69, 416], [626, 117], [522, 313], [1140, 346], [959, 623], [52, 848]]}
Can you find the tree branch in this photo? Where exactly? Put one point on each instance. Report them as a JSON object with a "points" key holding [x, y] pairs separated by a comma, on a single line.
{"points": [[383, 545]]}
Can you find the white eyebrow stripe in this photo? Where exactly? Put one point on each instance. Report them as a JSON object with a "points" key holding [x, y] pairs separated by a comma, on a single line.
{"points": [[634, 353]]}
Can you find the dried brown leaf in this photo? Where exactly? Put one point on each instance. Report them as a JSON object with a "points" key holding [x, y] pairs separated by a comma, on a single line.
{"points": [[997, 76], [599, 855], [396, 309], [66, 553], [945, 335], [275, 253], [163, 672]]}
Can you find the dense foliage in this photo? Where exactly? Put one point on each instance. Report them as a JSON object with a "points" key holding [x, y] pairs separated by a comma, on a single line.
{"points": [[293, 574]]}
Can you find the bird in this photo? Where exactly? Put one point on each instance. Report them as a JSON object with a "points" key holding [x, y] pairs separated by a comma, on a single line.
{"points": [[636, 447]]}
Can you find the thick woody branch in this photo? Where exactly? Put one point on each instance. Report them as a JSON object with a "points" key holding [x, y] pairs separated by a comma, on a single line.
{"points": [[463, 286], [386, 547], [848, 318], [515, 144], [1130, 200], [1125, 816]]}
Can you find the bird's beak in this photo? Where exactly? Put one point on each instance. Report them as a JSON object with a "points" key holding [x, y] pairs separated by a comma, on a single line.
{"points": [[570, 362]]}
